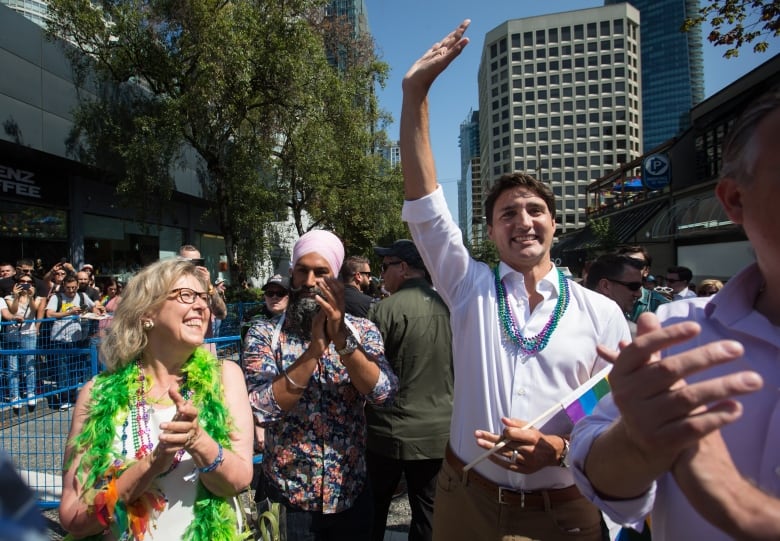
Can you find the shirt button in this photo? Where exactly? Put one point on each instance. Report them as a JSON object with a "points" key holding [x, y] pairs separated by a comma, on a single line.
{"points": [[521, 392]]}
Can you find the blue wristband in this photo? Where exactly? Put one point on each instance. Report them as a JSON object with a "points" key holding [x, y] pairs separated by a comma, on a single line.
{"points": [[214, 465]]}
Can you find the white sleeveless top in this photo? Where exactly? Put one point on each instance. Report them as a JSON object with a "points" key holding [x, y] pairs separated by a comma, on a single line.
{"points": [[179, 493]]}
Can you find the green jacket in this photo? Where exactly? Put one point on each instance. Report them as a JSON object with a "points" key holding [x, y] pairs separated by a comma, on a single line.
{"points": [[415, 327], [648, 302]]}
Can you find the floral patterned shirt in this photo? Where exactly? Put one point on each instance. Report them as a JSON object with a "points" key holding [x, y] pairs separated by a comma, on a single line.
{"points": [[314, 453]]}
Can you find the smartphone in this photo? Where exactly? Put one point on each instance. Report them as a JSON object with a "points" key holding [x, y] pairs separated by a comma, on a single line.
{"points": [[26, 286], [198, 262]]}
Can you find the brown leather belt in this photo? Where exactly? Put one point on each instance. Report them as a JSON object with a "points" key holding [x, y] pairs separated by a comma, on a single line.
{"points": [[504, 495]]}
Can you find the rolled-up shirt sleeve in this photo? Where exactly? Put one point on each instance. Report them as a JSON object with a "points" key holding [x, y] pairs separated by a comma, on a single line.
{"points": [[386, 385], [630, 513]]}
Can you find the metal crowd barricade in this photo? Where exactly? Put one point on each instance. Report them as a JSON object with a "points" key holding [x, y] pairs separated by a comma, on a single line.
{"points": [[34, 436]]}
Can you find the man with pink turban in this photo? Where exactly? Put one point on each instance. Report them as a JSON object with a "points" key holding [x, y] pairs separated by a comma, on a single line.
{"points": [[310, 372]]}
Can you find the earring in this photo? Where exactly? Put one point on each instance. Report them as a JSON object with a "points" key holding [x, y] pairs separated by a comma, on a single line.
{"points": [[147, 325]]}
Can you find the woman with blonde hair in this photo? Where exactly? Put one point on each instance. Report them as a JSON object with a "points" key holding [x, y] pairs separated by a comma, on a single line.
{"points": [[156, 443], [709, 287]]}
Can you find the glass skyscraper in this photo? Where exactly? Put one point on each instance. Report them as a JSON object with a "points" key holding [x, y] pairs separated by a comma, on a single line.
{"points": [[672, 67]]}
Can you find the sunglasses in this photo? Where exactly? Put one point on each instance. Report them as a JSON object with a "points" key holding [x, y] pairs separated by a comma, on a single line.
{"points": [[276, 294], [633, 286], [385, 266]]}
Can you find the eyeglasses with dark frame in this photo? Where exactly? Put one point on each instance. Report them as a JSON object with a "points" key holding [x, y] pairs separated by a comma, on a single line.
{"points": [[186, 295], [275, 294], [385, 266], [633, 286]]}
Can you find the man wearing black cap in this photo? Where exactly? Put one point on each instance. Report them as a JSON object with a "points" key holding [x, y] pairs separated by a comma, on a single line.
{"points": [[410, 436]]}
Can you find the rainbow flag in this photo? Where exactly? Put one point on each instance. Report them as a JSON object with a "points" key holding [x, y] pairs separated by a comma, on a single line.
{"points": [[591, 394]]}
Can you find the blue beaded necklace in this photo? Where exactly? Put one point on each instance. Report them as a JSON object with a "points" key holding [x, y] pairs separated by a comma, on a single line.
{"points": [[537, 343]]}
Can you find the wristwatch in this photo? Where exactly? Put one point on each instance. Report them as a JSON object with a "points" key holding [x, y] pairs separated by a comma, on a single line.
{"points": [[349, 346], [564, 454]]}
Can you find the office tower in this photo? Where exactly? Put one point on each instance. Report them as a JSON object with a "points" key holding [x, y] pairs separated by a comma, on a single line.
{"points": [[560, 98], [34, 10], [392, 153], [470, 213], [672, 67]]}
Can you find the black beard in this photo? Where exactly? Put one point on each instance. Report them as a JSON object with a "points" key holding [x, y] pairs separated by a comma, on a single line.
{"points": [[302, 309]]}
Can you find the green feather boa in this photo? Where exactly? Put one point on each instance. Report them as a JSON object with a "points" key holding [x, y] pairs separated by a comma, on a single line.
{"points": [[215, 518]]}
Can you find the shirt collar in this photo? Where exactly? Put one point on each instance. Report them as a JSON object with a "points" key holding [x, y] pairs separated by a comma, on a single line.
{"points": [[548, 281]]}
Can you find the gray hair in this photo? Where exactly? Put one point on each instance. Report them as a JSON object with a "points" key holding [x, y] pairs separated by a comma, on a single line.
{"points": [[741, 149]]}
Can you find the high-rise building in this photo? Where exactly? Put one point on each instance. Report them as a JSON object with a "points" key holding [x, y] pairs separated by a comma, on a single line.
{"points": [[672, 67], [470, 215], [34, 10], [354, 10], [392, 153], [560, 98]]}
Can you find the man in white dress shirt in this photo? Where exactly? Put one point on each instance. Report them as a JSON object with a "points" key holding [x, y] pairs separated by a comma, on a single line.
{"points": [[671, 439], [524, 337], [679, 279]]}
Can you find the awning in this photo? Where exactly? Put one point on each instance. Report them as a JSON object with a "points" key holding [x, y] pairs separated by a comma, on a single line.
{"points": [[691, 216], [624, 224]]}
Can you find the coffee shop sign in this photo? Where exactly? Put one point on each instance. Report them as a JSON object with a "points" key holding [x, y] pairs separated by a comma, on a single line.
{"points": [[18, 182]]}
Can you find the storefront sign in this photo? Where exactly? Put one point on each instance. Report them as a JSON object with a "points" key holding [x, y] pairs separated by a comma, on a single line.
{"points": [[18, 182]]}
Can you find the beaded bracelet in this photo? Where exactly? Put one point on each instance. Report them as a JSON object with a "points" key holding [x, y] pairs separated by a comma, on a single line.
{"points": [[214, 465], [295, 385]]}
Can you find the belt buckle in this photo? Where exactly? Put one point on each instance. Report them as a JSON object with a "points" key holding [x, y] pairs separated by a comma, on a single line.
{"points": [[501, 491]]}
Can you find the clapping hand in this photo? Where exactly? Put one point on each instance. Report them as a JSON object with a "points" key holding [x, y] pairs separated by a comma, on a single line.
{"points": [[182, 432]]}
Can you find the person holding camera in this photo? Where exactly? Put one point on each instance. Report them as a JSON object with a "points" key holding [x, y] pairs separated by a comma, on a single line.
{"points": [[69, 332], [20, 309]]}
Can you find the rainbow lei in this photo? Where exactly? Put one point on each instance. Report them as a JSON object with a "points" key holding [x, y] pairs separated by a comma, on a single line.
{"points": [[100, 466], [537, 343]]}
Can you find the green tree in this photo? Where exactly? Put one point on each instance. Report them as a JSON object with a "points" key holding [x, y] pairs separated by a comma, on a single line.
{"points": [[738, 22], [486, 252], [329, 170], [605, 234], [217, 83]]}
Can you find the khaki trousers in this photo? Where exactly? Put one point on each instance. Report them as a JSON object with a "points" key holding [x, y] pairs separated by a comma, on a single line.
{"points": [[469, 513]]}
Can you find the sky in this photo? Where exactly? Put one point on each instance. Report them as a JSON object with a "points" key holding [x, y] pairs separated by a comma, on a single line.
{"points": [[405, 29]]}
